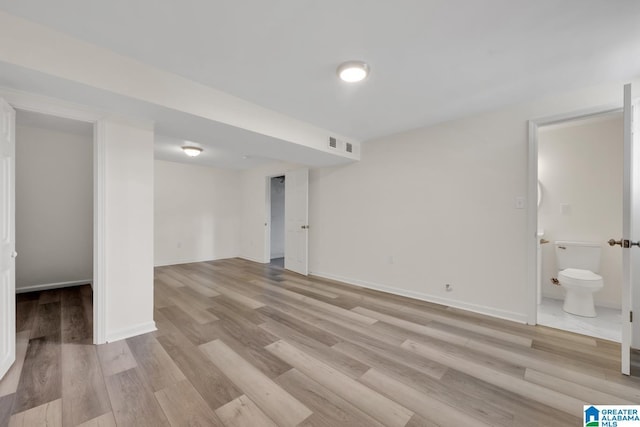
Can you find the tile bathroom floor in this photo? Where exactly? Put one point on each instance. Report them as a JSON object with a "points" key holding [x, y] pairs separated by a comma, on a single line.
{"points": [[607, 325]]}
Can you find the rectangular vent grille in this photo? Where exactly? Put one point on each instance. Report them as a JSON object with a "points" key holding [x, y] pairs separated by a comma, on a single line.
{"points": [[344, 147]]}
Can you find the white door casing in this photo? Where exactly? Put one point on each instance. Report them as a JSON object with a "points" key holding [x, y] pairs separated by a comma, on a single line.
{"points": [[630, 226], [296, 217], [7, 238], [58, 108], [630, 300]]}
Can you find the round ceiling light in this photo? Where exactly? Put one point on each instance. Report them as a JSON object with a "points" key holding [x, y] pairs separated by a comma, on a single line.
{"points": [[353, 71], [191, 150]]}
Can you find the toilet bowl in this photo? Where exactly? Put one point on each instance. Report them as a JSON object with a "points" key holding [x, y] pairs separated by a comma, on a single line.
{"points": [[580, 286], [578, 265]]}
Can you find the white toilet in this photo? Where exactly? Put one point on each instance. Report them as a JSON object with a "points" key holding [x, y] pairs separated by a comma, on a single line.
{"points": [[578, 263]]}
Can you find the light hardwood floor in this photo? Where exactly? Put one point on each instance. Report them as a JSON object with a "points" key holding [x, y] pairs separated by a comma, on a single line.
{"points": [[246, 344]]}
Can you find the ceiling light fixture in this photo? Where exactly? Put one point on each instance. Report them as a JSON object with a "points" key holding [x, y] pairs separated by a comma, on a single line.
{"points": [[192, 150], [353, 71]]}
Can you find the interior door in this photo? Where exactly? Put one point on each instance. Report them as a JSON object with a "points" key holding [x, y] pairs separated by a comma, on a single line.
{"points": [[7, 238], [630, 241], [296, 218]]}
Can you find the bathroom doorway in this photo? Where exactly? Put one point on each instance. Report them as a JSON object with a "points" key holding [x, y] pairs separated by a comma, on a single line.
{"points": [[580, 185], [277, 223]]}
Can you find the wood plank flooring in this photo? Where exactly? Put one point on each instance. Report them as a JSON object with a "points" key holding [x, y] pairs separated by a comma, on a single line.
{"points": [[245, 344]]}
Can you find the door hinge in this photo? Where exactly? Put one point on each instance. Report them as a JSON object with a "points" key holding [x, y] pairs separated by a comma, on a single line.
{"points": [[631, 316]]}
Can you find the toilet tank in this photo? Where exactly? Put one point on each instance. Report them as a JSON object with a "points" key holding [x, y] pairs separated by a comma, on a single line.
{"points": [[582, 255]]}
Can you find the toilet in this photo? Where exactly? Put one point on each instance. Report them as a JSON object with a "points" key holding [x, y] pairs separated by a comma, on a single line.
{"points": [[578, 263]]}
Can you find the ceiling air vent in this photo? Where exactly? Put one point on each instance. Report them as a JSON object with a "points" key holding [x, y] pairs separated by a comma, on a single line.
{"points": [[349, 147], [333, 143]]}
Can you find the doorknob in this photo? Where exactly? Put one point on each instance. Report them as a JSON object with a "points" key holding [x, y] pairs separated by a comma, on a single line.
{"points": [[624, 243], [613, 242], [304, 227], [543, 241]]}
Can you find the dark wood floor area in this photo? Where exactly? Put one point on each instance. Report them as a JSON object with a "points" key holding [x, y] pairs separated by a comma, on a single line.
{"points": [[246, 344], [53, 358]]}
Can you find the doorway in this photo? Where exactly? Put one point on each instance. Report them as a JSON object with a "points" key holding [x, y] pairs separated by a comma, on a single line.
{"points": [[54, 233], [575, 166], [54, 202], [290, 206], [580, 203], [277, 222], [54, 191], [9, 103]]}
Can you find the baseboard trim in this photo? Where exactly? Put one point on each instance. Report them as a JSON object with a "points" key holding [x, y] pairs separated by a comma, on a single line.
{"points": [[607, 305], [190, 261], [5, 365], [47, 286], [476, 308], [131, 331]]}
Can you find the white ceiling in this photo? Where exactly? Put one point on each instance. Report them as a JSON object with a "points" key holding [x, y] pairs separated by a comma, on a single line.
{"points": [[431, 60]]}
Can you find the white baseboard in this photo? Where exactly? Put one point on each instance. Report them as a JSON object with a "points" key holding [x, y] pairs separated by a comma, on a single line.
{"points": [[191, 260], [47, 286], [6, 363], [608, 305], [476, 308], [131, 331]]}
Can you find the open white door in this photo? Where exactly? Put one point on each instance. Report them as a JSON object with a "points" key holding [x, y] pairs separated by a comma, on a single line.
{"points": [[7, 238], [630, 226], [296, 217]]}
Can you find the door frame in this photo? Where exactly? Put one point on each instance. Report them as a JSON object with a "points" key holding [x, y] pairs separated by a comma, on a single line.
{"points": [[8, 307], [532, 194], [267, 244], [291, 204], [54, 107], [266, 249]]}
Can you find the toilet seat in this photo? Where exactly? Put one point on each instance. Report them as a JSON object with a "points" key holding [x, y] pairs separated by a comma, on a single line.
{"points": [[580, 278]]}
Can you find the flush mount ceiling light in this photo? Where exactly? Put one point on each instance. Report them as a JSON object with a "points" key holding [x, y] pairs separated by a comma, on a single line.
{"points": [[353, 71], [191, 150]]}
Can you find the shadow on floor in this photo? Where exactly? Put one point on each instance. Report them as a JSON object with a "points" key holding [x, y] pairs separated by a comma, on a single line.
{"points": [[277, 262]]}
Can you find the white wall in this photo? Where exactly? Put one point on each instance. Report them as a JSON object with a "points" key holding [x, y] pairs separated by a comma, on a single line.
{"points": [[197, 213], [128, 229], [580, 165], [54, 207], [253, 238], [436, 206], [277, 218]]}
